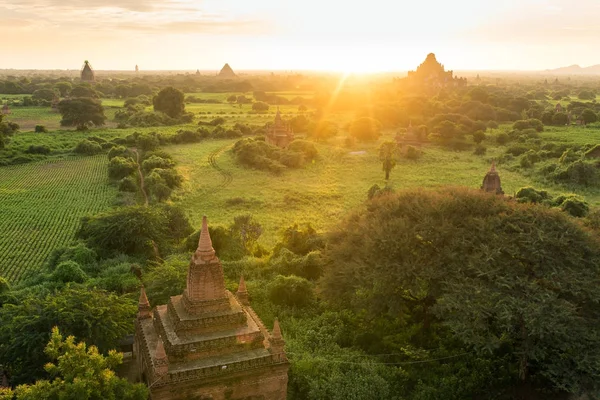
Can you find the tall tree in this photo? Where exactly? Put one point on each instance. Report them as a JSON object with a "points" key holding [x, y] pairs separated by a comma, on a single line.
{"points": [[387, 155], [169, 101], [513, 280], [81, 112]]}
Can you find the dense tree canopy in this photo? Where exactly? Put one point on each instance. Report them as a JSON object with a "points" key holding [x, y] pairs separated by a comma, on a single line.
{"points": [[169, 101], [81, 112], [509, 279]]}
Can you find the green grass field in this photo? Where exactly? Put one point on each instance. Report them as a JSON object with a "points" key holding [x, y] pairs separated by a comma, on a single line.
{"points": [[41, 205], [320, 193]]}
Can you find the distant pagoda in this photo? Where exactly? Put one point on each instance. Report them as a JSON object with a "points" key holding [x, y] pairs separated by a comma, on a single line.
{"points": [[432, 74], [491, 181], [279, 133], [208, 343], [227, 72], [87, 72]]}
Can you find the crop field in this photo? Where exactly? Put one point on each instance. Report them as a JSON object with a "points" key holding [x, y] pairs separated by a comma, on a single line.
{"points": [[320, 193], [41, 207]]}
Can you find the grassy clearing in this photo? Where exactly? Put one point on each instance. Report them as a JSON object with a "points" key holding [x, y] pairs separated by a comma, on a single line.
{"points": [[42, 204], [320, 193]]}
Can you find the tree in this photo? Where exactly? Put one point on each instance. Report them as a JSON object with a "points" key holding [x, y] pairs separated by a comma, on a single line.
{"points": [[64, 88], [260, 107], [387, 155], [43, 94], [169, 101], [446, 129], [80, 372], [365, 129], [83, 91], [517, 281], [232, 99], [589, 116], [81, 112], [96, 316]]}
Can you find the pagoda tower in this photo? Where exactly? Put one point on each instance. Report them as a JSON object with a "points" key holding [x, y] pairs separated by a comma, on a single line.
{"points": [[87, 72], [279, 133], [207, 343], [491, 181]]}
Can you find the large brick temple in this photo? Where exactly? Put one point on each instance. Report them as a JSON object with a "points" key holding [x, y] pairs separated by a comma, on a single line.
{"points": [[208, 343], [279, 133]]}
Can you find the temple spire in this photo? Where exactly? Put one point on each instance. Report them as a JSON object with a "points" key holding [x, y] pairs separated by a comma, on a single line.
{"points": [[493, 167], [161, 361], [242, 292], [276, 330], [143, 305], [205, 247]]}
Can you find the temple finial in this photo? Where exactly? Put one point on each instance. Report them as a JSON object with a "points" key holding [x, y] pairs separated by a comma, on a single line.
{"points": [[493, 167], [205, 246], [161, 361], [242, 293], [276, 330], [143, 305], [143, 298], [242, 285]]}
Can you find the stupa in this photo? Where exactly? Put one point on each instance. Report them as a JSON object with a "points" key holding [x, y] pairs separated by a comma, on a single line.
{"points": [[491, 181], [208, 343], [87, 73], [431, 73], [279, 133], [227, 72]]}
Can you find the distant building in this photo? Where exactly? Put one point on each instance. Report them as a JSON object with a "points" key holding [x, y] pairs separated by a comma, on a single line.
{"points": [[431, 74], [227, 72], [491, 181], [558, 108], [137, 69], [87, 73], [410, 138], [279, 133], [208, 343]]}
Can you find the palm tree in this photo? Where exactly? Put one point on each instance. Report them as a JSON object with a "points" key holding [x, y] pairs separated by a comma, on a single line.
{"points": [[387, 154]]}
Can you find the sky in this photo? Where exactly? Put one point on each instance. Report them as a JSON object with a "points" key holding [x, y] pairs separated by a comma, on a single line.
{"points": [[337, 35]]}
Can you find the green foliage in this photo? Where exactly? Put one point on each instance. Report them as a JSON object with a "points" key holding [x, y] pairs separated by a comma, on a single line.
{"points": [[529, 124], [578, 172], [365, 129], [69, 271], [119, 167], [43, 94], [375, 191], [508, 293], [531, 195], [589, 116], [291, 291], [147, 142], [80, 372], [300, 240], [92, 315], [88, 148], [260, 107], [309, 266], [306, 148], [169, 101], [40, 129], [119, 151], [155, 161], [573, 205], [388, 152], [42, 149], [134, 230], [412, 153], [260, 155], [81, 112]]}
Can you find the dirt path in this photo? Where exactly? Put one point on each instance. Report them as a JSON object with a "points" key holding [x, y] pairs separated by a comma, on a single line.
{"points": [[142, 186], [212, 161]]}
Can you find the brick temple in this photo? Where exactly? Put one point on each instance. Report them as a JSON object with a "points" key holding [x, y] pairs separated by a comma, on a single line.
{"points": [[491, 181], [208, 343], [279, 133]]}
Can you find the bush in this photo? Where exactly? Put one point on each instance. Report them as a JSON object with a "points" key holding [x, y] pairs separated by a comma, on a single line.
{"points": [[41, 129], [365, 129], [529, 194], [306, 148], [87, 147], [155, 161], [502, 138], [119, 167], [119, 151], [40, 149], [529, 123], [291, 291], [578, 172], [573, 205], [260, 107], [412, 153], [69, 271], [147, 142], [480, 150], [128, 184]]}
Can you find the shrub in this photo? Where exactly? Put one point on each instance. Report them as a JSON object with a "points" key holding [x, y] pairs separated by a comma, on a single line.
{"points": [[573, 205], [292, 291], [39, 149], [119, 151], [502, 138], [480, 150], [155, 161], [365, 129], [578, 172], [128, 184], [69, 271], [478, 136], [529, 123], [41, 129], [529, 194], [412, 153], [119, 167], [260, 107], [147, 142], [87, 147], [306, 148]]}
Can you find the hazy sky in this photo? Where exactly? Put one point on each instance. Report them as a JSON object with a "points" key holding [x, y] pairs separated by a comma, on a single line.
{"points": [[355, 35]]}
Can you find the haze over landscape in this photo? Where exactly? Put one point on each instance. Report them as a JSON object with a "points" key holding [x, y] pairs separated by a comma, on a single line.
{"points": [[299, 200], [378, 35]]}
